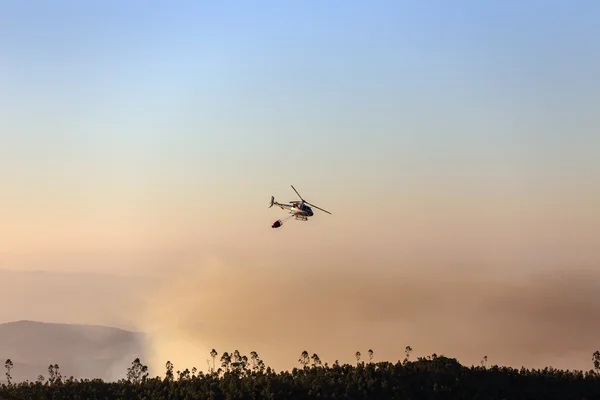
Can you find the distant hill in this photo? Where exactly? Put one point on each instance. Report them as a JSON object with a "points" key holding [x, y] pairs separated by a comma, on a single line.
{"points": [[74, 297], [83, 351]]}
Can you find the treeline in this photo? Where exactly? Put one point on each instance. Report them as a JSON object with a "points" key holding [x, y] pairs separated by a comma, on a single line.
{"points": [[238, 376]]}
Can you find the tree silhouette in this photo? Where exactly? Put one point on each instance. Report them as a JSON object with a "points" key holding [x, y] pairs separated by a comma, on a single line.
{"points": [[138, 372], [304, 359], [370, 355], [596, 359], [256, 363], [315, 359], [185, 374], [213, 354], [407, 351], [238, 362], [225, 361], [9, 366], [169, 374], [54, 375]]}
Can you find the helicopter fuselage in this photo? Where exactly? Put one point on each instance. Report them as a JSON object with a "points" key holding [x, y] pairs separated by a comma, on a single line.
{"points": [[296, 209]]}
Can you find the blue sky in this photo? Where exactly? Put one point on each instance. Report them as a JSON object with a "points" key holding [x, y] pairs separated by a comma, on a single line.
{"points": [[116, 102]]}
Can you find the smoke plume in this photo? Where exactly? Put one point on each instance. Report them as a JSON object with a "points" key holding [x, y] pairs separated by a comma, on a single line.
{"points": [[533, 320]]}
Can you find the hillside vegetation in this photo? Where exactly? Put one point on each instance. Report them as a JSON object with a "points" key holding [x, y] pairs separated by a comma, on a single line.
{"points": [[237, 376]]}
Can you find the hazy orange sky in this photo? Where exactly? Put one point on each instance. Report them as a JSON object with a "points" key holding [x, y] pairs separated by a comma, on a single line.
{"points": [[136, 142]]}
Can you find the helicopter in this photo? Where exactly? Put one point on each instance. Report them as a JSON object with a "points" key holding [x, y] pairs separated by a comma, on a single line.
{"points": [[300, 210]]}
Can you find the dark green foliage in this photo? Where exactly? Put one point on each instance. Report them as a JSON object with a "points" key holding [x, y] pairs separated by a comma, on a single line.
{"points": [[242, 377]]}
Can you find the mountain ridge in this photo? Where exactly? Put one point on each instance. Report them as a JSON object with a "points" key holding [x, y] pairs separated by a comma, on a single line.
{"points": [[80, 350], [74, 324]]}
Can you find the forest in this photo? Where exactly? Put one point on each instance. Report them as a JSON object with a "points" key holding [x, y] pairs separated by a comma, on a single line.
{"points": [[237, 376]]}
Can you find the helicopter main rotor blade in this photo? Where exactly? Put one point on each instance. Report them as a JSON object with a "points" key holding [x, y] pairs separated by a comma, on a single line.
{"points": [[304, 201], [297, 192], [317, 207]]}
